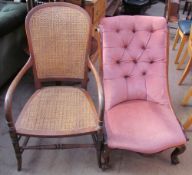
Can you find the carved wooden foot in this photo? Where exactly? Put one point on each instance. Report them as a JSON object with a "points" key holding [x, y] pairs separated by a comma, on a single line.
{"points": [[174, 155]]}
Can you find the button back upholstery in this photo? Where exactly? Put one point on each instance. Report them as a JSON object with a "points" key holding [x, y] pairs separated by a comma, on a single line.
{"points": [[134, 59], [138, 114]]}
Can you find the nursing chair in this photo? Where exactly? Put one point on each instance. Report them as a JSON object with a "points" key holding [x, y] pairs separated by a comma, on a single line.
{"points": [[182, 32], [138, 113], [59, 42]]}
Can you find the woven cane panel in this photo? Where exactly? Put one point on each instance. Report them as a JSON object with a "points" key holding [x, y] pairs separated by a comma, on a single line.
{"points": [[57, 111], [59, 37]]}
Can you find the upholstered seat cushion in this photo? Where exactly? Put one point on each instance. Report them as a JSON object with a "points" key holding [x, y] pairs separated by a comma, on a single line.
{"points": [[143, 126], [184, 26], [58, 111]]}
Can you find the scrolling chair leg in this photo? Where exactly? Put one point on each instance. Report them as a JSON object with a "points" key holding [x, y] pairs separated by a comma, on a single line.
{"points": [[174, 155]]}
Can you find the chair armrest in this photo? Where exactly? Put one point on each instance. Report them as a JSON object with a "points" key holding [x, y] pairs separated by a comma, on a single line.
{"points": [[10, 91], [100, 91]]}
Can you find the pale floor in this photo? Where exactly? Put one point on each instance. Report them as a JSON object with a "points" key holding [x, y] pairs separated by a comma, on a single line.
{"points": [[83, 161]]}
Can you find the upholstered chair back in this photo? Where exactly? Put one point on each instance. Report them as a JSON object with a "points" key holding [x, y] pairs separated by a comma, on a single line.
{"points": [[58, 41], [134, 59]]}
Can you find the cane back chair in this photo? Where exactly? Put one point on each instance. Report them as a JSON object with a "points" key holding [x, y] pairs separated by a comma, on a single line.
{"points": [[138, 112], [59, 42]]}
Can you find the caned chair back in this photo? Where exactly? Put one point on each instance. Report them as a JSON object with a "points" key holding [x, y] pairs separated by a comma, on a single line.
{"points": [[58, 36]]}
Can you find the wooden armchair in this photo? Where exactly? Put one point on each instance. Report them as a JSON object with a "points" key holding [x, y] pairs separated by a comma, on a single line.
{"points": [[59, 49]]}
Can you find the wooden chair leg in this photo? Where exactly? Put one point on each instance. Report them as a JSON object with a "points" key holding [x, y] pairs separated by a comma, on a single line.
{"points": [[188, 123], [105, 156], [174, 156], [183, 59], [186, 71], [187, 97], [17, 150], [183, 41], [102, 150], [176, 39], [99, 142]]}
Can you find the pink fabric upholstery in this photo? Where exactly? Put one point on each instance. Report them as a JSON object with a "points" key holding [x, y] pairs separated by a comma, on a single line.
{"points": [[143, 126], [138, 112], [134, 59]]}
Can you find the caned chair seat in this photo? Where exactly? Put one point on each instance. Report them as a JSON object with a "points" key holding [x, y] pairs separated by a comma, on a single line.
{"points": [[58, 111]]}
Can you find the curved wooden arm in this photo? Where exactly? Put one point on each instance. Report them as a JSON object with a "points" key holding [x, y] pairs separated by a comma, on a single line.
{"points": [[10, 91], [100, 91]]}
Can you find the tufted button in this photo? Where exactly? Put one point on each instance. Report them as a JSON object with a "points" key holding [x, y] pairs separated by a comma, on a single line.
{"points": [[151, 62], [151, 30], [117, 30], [126, 76], [133, 30], [143, 47], [118, 62], [125, 46], [144, 73], [135, 61]]}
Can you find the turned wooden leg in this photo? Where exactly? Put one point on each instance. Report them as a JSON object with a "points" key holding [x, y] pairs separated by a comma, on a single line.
{"points": [[183, 41], [186, 71], [176, 39], [174, 155], [183, 59], [17, 150], [188, 123], [187, 97]]}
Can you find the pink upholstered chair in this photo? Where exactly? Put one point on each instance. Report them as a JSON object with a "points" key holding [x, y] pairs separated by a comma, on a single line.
{"points": [[138, 113]]}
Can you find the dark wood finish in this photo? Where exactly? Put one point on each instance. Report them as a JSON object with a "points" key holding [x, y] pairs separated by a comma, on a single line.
{"points": [[8, 113], [174, 155], [100, 92], [16, 137], [58, 146]]}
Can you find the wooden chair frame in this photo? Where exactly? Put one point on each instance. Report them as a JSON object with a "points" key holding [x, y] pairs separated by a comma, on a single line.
{"points": [[189, 64], [184, 39], [176, 152], [97, 136], [185, 101]]}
